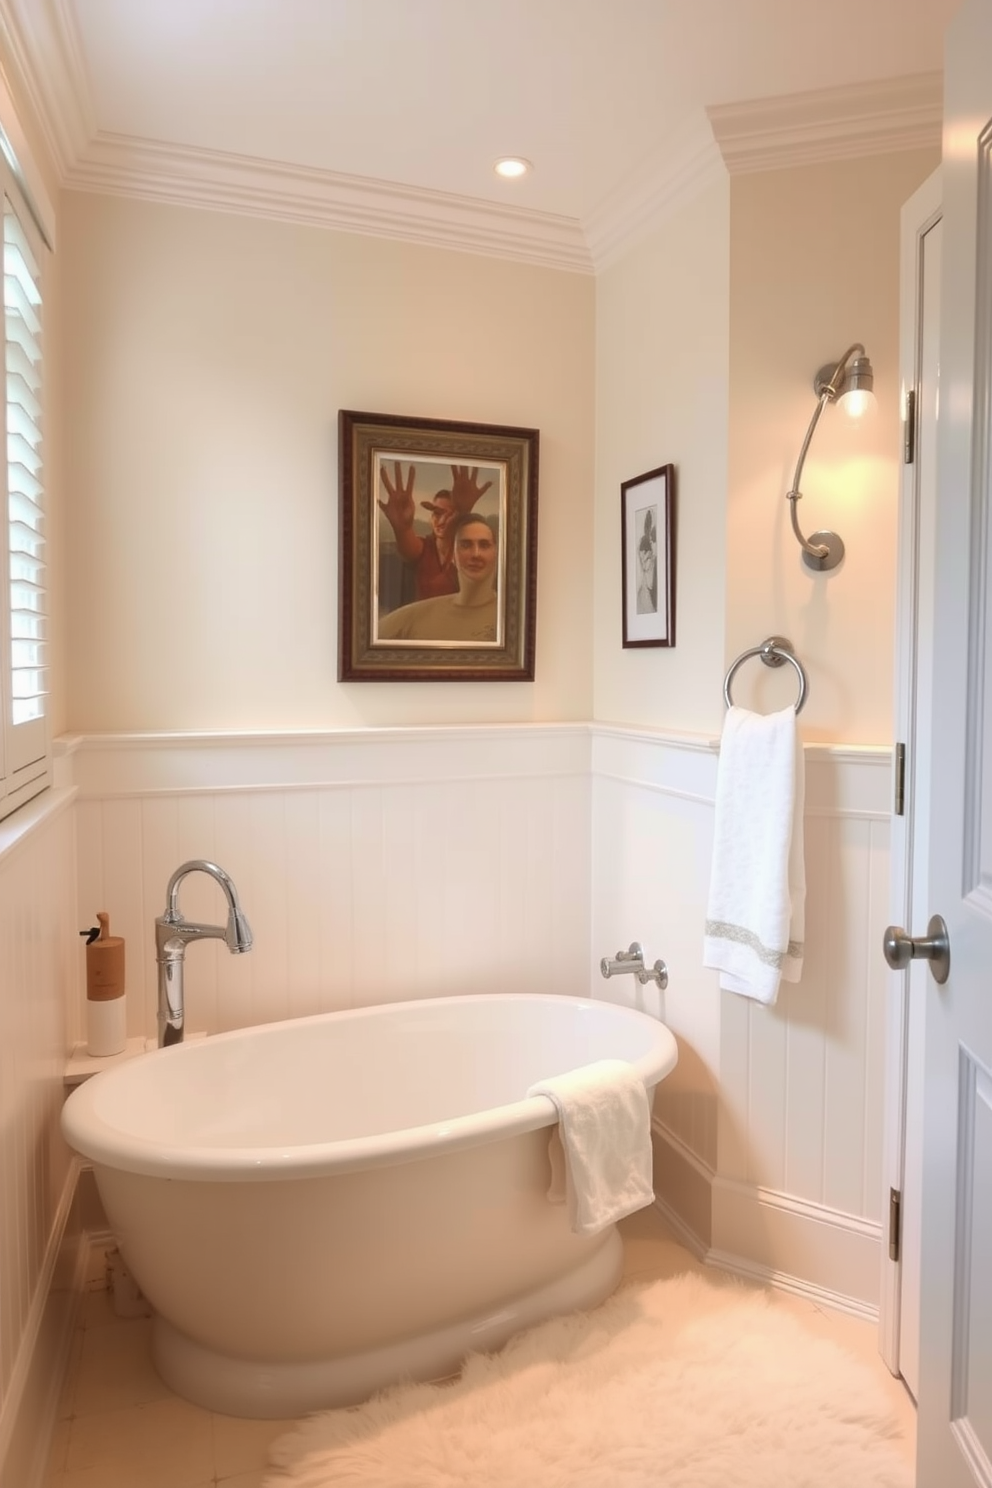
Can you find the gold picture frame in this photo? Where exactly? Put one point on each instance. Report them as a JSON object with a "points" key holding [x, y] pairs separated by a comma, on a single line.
{"points": [[438, 547]]}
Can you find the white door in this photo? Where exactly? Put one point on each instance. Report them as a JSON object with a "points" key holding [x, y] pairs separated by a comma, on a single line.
{"points": [[919, 292], [955, 1380]]}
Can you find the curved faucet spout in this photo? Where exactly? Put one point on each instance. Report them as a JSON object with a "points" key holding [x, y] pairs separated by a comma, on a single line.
{"points": [[173, 933], [237, 933]]}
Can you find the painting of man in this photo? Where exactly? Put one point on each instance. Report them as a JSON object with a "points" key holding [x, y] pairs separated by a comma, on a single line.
{"points": [[419, 506], [438, 550], [430, 555], [470, 616]]}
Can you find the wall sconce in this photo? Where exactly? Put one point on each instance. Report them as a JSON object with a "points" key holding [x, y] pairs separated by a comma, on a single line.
{"points": [[850, 384]]}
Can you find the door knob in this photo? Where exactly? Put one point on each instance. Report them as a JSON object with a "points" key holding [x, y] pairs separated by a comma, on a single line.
{"points": [[899, 948]]}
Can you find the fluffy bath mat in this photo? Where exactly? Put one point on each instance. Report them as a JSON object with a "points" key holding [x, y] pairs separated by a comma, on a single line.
{"points": [[684, 1383]]}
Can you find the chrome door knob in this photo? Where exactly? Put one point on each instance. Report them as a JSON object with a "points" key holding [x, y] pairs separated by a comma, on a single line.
{"points": [[899, 948]]}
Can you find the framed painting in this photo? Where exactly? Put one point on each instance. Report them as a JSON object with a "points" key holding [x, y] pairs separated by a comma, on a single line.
{"points": [[647, 537], [438, 541]]}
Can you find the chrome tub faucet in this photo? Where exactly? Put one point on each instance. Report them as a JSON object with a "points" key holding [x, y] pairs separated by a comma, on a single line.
{"points": [[631, 961], [173, 934]]}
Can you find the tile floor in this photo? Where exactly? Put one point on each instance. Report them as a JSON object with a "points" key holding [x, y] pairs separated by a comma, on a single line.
{"points": [[120, 1427]]}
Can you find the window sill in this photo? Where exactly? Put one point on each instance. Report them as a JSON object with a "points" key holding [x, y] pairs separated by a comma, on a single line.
{"points": [[17, 828]]}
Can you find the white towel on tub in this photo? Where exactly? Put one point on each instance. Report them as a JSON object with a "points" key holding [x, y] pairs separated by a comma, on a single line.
{"points": [[604, 1131], [756, 911]]}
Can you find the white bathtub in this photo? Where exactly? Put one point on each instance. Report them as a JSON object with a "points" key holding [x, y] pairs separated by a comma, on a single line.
{"points": [[319, 1207]]}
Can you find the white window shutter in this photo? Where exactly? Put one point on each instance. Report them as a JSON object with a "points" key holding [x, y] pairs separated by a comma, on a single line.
{"points": [[24, 669]]}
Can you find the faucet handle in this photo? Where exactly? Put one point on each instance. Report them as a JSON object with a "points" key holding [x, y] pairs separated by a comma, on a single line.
{"points": [[634, 952], [657, 973]]}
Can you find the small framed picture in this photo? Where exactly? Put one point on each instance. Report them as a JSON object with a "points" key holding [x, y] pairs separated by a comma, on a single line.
{"points": [[647, 534], [438, 550]]}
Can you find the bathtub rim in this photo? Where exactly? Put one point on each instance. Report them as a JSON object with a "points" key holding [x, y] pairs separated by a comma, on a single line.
{"points": [[107, 1145]]}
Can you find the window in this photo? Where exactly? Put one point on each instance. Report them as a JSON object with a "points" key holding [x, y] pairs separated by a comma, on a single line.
{"points": [[24, 739]]}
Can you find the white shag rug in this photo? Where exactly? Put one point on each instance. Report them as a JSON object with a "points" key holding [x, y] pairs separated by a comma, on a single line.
{"points": [[684, 1383]]}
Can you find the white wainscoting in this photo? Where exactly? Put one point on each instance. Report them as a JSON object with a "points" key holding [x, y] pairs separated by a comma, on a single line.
{"points": [[421, 862], [776, 1112], [372, 865], [652, 836], [415, 862], [38, 947]]}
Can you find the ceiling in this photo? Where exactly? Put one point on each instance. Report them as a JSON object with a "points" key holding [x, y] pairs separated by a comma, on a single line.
{"points": [[387, 115]]}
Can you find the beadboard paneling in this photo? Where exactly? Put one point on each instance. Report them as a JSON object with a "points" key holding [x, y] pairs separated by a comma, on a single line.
{"points": [[371, 867], [803, 1081], [411, 863], [38, 944], [425, 862], [786, 1099], [650, 866]]}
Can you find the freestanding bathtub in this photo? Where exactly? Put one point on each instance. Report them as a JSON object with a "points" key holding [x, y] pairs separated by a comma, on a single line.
{"points": [[319, 1207]]}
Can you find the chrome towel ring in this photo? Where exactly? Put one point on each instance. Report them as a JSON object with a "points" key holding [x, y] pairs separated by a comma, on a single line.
{"points": [[774, 652]]}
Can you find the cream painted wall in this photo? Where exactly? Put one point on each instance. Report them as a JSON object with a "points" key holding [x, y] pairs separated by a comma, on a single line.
{"points": [[814, 266], [206, 358], [662, 364]]}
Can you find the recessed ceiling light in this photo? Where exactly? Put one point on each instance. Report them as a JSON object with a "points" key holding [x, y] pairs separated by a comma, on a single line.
{"points": [[512, 166]]}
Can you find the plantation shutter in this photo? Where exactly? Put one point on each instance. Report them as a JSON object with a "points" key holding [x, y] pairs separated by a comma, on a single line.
{"points": [[25, 671]]}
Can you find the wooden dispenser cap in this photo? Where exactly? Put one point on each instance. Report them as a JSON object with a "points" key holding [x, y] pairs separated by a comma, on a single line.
{"points": [[105, 964]]}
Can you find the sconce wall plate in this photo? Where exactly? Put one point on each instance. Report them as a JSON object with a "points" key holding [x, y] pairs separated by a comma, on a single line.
{"points": [[831, 546]]}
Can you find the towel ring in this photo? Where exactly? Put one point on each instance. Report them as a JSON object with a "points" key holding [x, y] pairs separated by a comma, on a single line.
{"points": [[773, 653]]}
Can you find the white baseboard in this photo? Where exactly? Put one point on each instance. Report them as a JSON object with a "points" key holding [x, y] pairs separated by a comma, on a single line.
{"points": [[791, 1244], [783, 1282], [681, 1231], [683, 1186], [797, 1245], [27, 1420]]}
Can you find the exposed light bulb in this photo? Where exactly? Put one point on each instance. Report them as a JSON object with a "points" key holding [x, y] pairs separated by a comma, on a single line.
{"points": [[512, 166], [858, 402]]}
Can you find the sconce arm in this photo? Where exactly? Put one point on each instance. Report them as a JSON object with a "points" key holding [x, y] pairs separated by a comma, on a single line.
{"points": [[817, 551], [825, 550]]}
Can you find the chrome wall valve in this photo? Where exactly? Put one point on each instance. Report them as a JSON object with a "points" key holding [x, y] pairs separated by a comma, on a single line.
{"points": [[632, 961]]}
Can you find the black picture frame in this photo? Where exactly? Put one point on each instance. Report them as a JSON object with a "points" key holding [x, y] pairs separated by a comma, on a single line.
{"points": [[647, 539]]}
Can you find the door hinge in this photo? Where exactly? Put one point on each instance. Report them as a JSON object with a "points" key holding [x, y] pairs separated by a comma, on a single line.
{"points": [[909, 428], [895, 1225], [899, 804]]}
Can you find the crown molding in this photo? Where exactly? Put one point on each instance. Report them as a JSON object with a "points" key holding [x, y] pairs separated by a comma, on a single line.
{"points": [[830, 124], [655, 193], [44, 56], [42, 45], [766, 134], [122, 165]]}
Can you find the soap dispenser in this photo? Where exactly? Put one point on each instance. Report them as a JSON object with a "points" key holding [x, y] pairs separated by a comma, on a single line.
{"points": [[106, 1024]]}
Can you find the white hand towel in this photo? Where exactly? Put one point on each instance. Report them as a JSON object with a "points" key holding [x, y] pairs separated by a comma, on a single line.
{"points": [[755, 919], [604, 1127]]}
